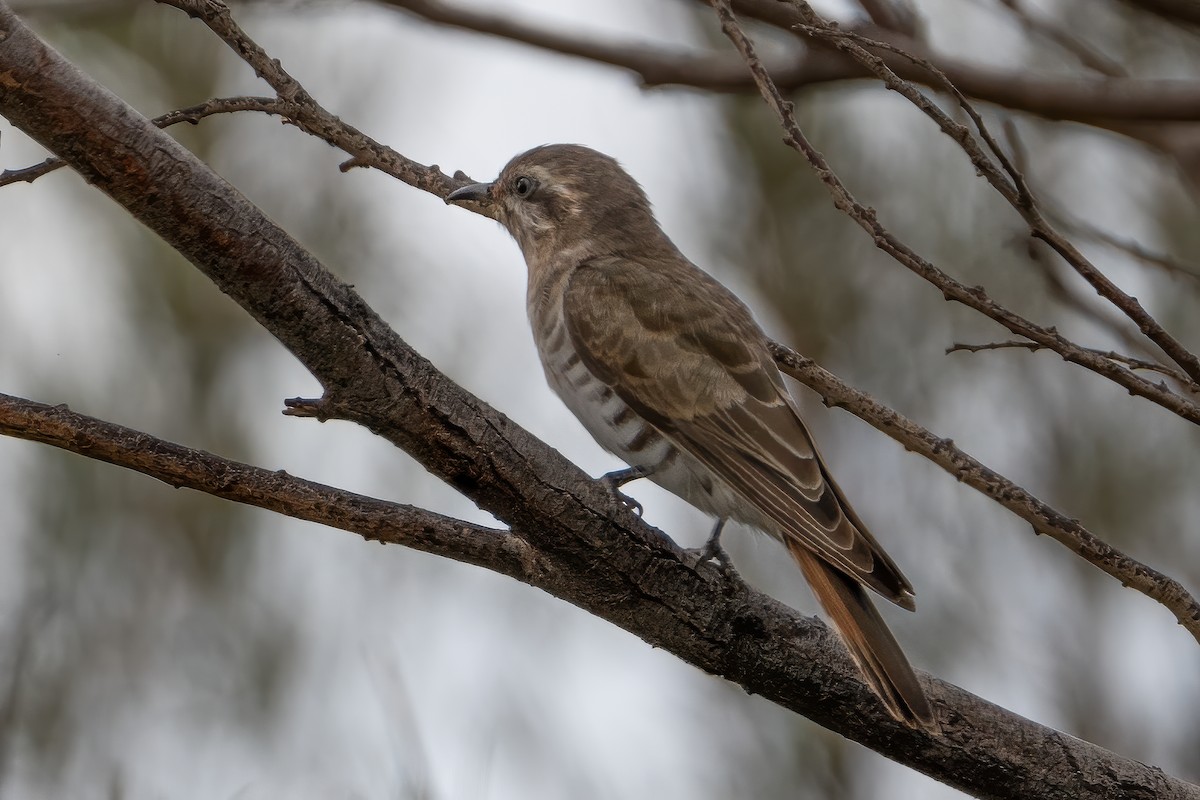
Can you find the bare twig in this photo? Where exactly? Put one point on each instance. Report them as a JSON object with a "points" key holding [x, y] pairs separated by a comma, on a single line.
{"points": [[1068, 294], [1120, 358], [192, 115], [31, 173], [373, 519], [973, 297], [306, 113], [1168, 264], [1081, 99], [1044, 519], [1002, 175]]}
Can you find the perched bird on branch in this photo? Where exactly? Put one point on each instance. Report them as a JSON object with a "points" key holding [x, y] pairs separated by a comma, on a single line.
{"points": [[669, 371]]}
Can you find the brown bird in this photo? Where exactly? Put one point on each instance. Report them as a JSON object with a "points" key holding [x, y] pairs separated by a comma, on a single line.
{"points": [[669, 371]]}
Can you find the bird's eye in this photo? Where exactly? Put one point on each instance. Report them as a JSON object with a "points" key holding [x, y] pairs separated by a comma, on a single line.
{"points": [[524, 186]]}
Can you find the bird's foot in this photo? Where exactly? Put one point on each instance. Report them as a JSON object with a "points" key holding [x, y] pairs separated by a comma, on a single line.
{"points": [[613, 482], [713, 551]]}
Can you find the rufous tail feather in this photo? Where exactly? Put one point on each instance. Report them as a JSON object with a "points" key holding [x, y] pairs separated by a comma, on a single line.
{"points": [[872, 645]]}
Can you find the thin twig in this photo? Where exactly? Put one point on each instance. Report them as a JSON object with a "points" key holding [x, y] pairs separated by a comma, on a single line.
{"points": [[1001, 175], [1044, 519], [1168, 264], [1094, 101], [308, 115], [1068, 294], [1070, 297], [1112, 355], [192, 115]]}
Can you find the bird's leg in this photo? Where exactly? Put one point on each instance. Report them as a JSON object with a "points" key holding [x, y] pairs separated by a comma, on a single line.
{"points": [[613, 481], [712, 550]]}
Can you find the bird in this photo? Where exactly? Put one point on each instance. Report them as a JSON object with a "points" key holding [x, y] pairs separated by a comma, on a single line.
{"points": [[668, 370]]}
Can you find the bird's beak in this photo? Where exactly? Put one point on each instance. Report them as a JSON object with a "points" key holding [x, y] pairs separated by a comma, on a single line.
{"points": [[476, 192]]}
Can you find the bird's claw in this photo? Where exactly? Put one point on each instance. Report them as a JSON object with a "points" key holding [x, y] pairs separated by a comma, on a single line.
{"points": [[713, 551], [613, 482], [621, 497]]}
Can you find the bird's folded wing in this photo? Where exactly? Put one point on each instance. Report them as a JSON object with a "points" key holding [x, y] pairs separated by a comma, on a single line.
{"points": [[686, 355]]}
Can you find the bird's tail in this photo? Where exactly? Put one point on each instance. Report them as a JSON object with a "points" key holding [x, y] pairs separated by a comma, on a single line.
{"points": [[872, 645]]}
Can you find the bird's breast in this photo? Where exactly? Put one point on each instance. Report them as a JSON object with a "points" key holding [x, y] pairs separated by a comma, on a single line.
{"points": [[608, 418], [614, 424]]}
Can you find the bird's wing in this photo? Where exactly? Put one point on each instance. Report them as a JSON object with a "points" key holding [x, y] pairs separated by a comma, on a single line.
{"points": [[687, 356]]}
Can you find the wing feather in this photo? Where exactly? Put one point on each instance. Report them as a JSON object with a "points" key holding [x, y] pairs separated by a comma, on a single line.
{"points": [[686, 355]]}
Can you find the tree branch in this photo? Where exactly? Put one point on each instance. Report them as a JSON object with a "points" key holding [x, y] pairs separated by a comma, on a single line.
{"points": [[654, 64], [182, 467], [1001, 175], [1064, 292], [1121, 358], [598, 555], [1166, 263], [1052, 98], [1044, 519], [1088, 100], [306, 113]]}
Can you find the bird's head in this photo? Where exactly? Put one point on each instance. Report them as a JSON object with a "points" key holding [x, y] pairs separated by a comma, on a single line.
{"points": [[566, 200]]}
